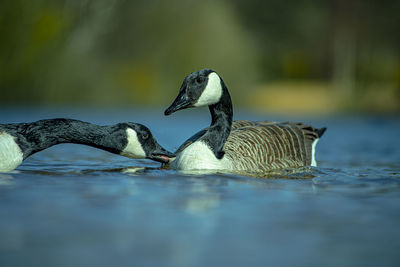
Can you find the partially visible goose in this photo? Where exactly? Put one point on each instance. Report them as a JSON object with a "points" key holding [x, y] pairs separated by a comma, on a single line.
{"points": [[20, 140], [241, 146]]}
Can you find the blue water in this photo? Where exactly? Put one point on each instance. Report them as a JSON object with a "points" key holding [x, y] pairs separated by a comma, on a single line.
{"points": [[73, 205]]}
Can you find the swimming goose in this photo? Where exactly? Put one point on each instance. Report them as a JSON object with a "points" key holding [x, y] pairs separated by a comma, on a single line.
{"points": [[241, 146], [20, 140]]}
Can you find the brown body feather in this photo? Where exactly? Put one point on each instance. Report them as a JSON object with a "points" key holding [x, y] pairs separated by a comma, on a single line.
{"points": [[266, 145]]}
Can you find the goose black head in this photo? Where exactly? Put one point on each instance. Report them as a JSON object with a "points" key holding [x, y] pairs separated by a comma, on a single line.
{"points": [[200, 88], [140, 143]]}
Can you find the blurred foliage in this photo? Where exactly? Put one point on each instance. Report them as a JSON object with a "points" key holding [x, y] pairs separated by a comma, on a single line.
{"points": [[107, 52]]}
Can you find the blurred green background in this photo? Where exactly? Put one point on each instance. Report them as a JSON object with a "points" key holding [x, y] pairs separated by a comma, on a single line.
{"points": [[283, 56]]}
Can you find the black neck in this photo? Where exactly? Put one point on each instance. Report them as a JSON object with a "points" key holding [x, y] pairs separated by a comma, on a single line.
{"points": [[46, 133], [221, 123]]}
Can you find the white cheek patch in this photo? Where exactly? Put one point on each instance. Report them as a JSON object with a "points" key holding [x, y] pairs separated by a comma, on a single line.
{"points": [[212, 93], [133, 149], [10, 154]]}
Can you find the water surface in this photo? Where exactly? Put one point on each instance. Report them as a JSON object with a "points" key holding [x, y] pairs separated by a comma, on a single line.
{"points": [[73, 205]]}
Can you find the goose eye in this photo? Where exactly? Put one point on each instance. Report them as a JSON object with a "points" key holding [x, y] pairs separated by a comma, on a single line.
{"points": [[199, 79], [145, 136]]}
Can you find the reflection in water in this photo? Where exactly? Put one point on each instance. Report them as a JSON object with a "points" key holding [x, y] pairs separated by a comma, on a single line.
{"points": [[74, 205], [6, 179], [132, 170], [202, 199]]}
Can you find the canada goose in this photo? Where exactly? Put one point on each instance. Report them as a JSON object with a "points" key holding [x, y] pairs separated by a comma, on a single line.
{"points": [[20, 140], [241, 146]]}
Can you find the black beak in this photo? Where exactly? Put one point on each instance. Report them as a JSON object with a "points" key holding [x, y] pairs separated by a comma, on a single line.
{"points": [[161, 155], [180, 102]]}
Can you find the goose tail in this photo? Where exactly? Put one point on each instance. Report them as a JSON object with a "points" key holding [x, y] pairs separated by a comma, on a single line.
{"points": [[320, 131]]}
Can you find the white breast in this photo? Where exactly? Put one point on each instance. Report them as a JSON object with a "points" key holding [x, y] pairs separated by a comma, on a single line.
{"points": [[198, 156], [10, 154]]}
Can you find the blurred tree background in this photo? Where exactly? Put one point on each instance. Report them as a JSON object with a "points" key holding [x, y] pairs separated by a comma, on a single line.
{"points": [[293, 56]]}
